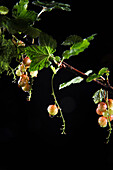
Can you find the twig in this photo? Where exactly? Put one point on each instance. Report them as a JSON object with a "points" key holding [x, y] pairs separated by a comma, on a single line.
{"points": [[83, 75]]}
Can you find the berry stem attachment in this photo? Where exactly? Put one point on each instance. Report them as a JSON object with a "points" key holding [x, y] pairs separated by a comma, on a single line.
{"points": [[56, 103], [30, 91], [108, 119], [110, 130]]}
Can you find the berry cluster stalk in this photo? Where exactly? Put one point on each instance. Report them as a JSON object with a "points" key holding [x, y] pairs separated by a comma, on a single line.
{"points": [[56, 103]]}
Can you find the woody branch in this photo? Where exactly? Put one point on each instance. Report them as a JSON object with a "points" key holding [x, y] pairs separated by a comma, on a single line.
{"points": [[105, 85]]}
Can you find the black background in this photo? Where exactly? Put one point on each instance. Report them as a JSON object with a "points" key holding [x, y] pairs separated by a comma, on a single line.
{"points": [[27, 134]]}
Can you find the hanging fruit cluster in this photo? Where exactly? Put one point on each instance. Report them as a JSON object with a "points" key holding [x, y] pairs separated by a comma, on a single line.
{"points": [[25, 76], [106, 112]]}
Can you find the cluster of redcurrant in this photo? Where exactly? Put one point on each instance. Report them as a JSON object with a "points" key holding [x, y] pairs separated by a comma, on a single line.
{"points": [[24, 75], [105, 109]]}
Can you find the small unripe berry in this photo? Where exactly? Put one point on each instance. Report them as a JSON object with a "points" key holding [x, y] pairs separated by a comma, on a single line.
{"points": [[18, 72], [102, 121], [110, 103], [110, 111], [106, 114], [102, 106], [52, 110]]}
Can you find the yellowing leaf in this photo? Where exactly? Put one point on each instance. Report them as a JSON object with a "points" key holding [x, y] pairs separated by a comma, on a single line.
{"points": [[3, 10]]}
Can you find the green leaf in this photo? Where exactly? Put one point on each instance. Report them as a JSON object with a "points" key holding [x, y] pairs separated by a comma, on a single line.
{"points": [[73, 81], [89, 72], [98, 96], [2, 20], [47, 41], [81, 46], [91, 37], [32, 32], [67, 54], [16, 25], [20, 12], [19, 8], [39, 64], [7, 53], [39, 56], [95, 76], [29, 16], [92, 77], [57, 58], [103, 71], [52, 5], [20, 25], [3, 10], [72, 39], [78, 45], [76, 49]]}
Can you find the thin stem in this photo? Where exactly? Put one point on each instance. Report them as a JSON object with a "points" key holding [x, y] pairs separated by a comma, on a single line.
{"points": [[43, 10], [30, 91], [13, 36], [65, 65], [110, 130], [0, 31], [12, 72], [108, 119], [56, 102]]}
